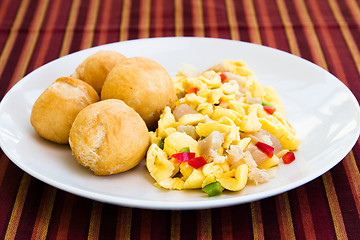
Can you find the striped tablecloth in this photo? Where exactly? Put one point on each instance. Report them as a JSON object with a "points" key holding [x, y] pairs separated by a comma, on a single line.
{"points": [[325, 32]]}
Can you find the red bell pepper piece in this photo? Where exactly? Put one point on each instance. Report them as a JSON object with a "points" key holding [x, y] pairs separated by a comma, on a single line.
{"points": [[269, 109], [197, 162], [183, 156], [288, 157], [223, 77], [192, 90], [267, 149]]}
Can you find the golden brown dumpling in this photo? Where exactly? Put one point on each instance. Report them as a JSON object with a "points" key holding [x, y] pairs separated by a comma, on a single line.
{"points": [[109, 137], [96, 67], [144, 85], [56, 108]]}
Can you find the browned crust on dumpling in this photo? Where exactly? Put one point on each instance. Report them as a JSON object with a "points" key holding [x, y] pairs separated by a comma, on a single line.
{"points": [[97, 66], [144, 85], [109, 137], [56, 108]]}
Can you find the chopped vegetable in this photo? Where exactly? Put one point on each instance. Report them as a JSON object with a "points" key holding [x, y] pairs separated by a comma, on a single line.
{"points": [[264, 103], [183, 156], [213, 189], [185, 149], [223, 77], [267, 149], [197, 162], [161, 144], [192, 90], [269, 109], [288, 157]]}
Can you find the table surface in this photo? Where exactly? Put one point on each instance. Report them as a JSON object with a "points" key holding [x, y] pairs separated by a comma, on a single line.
{"points": [[325, 32]]}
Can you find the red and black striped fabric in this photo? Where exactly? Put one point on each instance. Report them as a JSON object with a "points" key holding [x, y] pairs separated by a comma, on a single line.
{"points": [[325, 32]]}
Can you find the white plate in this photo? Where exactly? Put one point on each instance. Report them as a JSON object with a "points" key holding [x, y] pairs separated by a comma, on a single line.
{"points": [[323, 111]]}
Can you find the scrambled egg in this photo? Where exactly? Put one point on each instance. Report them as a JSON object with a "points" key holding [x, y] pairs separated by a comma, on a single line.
{"points": [[220, 116]]}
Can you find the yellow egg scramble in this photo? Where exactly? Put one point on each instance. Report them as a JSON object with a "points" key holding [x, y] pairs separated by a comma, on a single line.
{"points": [[227, 100]]}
